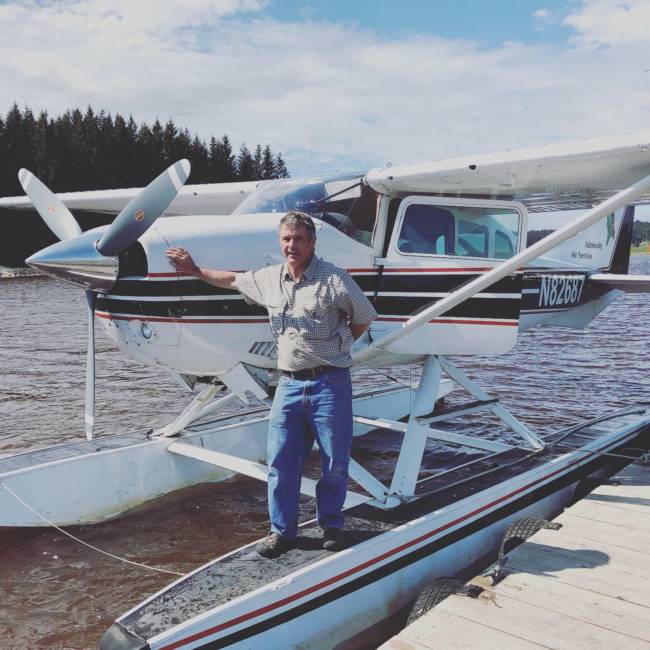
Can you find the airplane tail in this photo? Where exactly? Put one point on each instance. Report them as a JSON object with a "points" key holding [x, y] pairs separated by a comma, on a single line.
{"points": [[620, 261], [616, 276]]}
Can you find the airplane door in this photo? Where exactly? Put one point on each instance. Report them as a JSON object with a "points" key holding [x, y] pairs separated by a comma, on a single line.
{"points": [[437, 245]]}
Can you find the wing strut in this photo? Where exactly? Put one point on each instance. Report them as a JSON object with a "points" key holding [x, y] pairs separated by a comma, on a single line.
{"points": [[624, 197]]}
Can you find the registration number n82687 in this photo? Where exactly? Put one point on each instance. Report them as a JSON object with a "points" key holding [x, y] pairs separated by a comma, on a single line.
{"points": [[560, 290]]}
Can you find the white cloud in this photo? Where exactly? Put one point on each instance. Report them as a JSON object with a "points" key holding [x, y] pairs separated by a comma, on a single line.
{"points": [[328, 95], [609, 22]]}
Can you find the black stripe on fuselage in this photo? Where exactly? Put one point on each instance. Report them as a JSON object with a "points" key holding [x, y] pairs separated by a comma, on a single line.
{"points": [[507, 308], [377, 574], [417, 282], [180, 308], [405, 305]]}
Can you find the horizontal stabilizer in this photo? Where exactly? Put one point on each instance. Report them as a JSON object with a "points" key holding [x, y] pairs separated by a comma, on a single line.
{"points": [[627, 283]]}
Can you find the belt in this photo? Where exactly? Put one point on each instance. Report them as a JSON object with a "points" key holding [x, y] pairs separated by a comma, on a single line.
{"points": [[307, 373]]}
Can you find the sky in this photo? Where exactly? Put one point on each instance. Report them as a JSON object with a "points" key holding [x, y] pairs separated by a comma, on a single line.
{"points": [[340, 84]]}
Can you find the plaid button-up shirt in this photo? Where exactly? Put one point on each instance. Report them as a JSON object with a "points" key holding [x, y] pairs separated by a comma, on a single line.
{"points": [[310, 319]]}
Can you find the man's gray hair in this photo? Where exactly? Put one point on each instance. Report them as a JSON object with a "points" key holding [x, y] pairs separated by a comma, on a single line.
{"points": [[295, 218]]}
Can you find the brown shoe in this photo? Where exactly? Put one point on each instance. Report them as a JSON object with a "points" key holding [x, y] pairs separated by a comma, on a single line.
{"points": [[334, 539], [273, 545]]}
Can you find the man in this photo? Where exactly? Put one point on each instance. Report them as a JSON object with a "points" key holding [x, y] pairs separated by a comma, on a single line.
{"points": [[316, 311]]}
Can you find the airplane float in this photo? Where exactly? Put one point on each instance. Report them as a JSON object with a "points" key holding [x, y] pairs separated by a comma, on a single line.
{"points": [[440, 249]]}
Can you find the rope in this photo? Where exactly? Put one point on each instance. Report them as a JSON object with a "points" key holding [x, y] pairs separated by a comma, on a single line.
{"points": [[90, 546]]}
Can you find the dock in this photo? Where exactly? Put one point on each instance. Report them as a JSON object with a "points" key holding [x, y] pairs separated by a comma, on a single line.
{"points": [[18, 272], [586, 585]]}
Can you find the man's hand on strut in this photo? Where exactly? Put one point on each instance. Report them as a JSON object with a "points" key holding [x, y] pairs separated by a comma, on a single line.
{"points": [[182, 261]]}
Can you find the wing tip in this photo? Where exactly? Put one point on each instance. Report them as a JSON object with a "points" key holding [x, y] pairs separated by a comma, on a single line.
{"points": [[185, 167], [24, 177]]}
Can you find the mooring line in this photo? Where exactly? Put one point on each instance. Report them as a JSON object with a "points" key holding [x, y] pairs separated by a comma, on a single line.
{"points": [[81, 541]]}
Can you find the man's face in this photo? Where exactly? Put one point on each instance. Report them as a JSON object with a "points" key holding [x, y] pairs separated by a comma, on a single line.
{"points": [[296, 245]]}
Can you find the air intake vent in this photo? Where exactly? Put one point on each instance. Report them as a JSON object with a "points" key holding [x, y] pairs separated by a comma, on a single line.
{"points": [[265, 349]]}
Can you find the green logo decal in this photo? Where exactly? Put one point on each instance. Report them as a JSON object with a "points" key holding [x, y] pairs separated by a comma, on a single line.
{"points": [[610, 228]]}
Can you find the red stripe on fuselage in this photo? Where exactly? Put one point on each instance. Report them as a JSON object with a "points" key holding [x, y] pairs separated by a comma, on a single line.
{"points": [[455, 321], [240, 321], [158, 319], [415, 269]]}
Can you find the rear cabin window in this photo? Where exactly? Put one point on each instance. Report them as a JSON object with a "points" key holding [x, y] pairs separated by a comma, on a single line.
{"points": [[503, 247], [459, 231]]}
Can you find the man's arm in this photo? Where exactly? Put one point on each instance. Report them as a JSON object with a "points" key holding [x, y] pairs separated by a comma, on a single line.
{"points": [[358, 330], [358, 308], [182, 261]]}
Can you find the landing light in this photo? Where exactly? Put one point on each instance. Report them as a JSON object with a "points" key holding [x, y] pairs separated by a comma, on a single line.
{"points": [[146, 331]]}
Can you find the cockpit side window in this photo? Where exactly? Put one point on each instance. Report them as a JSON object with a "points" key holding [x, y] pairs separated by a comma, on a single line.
{"points": [[458, 230], [427, 229]]}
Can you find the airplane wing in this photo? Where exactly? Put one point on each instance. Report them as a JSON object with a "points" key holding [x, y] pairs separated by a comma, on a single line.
{"points": [[212, 198], [567, 176], [627, 283]]}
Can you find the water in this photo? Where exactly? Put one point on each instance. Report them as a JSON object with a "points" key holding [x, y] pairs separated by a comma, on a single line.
{"points": [[56, 593]]}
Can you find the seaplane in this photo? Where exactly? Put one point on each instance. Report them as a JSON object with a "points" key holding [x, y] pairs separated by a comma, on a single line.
{"points": [[440, 249]]}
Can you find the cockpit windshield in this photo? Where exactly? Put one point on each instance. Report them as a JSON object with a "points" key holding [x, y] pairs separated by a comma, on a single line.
{"points": [[344, 202]]}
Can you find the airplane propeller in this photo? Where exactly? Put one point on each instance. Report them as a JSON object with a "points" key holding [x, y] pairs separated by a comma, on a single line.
{"points": [[144, 209], [130, 224], [57, 217]]}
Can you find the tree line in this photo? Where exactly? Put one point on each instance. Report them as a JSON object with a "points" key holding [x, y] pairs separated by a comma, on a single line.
{"points": [[640, 233], [95, 150]]}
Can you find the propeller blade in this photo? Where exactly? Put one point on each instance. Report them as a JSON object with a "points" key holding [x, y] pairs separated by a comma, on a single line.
{"points": [[144, 209], [57, 217], [91, 297]]}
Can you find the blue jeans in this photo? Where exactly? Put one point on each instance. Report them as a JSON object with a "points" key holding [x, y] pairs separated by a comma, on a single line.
{"points": [[303, 411]]}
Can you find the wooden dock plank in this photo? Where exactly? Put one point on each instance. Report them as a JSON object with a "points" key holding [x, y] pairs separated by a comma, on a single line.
{"points": [[610, 513], [538, 624], [603, 531], [586, 585], [624, 502], [607, 611], [633, 561], [451, 632], [570, 568]]}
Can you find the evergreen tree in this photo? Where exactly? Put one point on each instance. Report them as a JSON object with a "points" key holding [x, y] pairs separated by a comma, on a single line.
{"points": [[4, 171], [223, 166], [268, 164], [245, 164], [169, 137], [157, 150], [200, 161], [18, 148], [281, 170], [106, 160], [94, 152], [257, 163], [121, 148]]}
